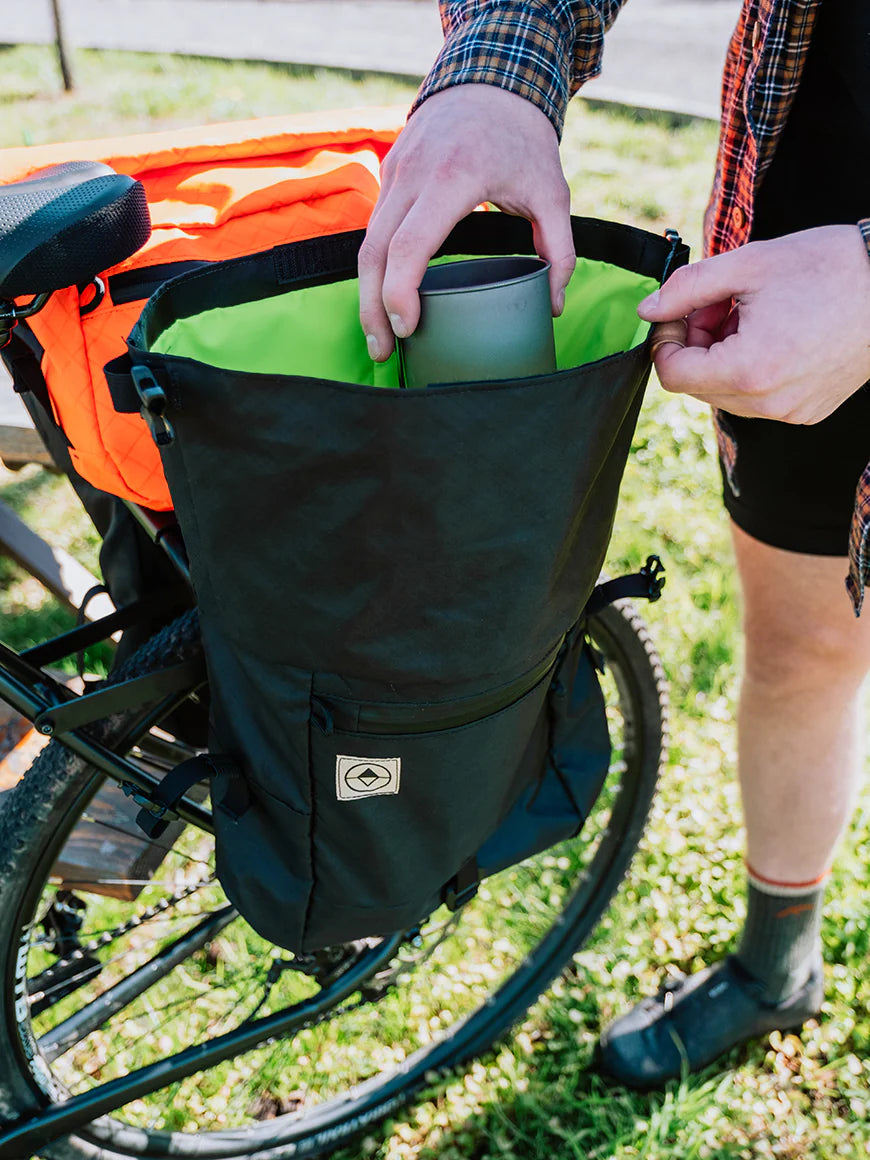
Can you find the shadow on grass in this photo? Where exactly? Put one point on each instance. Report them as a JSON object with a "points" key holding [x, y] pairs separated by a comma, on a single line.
{"points": [[568, 1111], [639, 116], [557, 1105], [32, 95]]}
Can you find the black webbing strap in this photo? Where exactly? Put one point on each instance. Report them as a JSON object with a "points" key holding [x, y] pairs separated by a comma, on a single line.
{"points": [[23, 365], [647, 584], [318, 258], [135, 389], [462, 887], [125, 397], [236, 797], [158, 808]]}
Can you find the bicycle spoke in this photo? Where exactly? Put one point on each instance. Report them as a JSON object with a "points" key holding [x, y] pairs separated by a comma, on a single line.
{"points": [[152, 916], [62, 1118], [99, 934], [72, 1030], [138, 834]]}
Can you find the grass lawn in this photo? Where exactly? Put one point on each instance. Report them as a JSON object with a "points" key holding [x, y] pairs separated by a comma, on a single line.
{"points": [[536, 1096]]}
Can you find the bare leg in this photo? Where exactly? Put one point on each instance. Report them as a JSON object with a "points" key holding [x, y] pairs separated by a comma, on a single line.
{"points": [[806, 657]]}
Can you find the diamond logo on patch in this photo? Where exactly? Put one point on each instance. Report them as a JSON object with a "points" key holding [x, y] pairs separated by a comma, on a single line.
{"points": [[360, 777]]}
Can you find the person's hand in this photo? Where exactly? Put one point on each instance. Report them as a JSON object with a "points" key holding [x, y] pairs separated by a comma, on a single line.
{"points": [[776, 330], [463, 146]]}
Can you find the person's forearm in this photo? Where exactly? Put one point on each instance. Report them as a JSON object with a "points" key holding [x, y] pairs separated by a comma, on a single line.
{"points": [[541, 51], [485, 127]]}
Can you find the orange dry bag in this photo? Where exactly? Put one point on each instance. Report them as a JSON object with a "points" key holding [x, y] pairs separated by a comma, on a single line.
{"points": [[214, 193]]}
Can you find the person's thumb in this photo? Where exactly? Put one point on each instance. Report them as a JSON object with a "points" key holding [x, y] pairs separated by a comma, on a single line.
{"points": [[693, 288]]}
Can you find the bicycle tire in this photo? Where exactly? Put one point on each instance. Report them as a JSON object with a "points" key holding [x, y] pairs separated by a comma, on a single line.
{"points": [[54, 788]]}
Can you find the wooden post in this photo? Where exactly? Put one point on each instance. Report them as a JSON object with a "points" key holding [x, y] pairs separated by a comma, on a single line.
{"points": [[63, 55]]}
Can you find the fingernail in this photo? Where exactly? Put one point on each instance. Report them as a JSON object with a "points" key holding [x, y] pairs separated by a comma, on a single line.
{"points": [[372, 344], [650, 302], [560, 302], [398, 325]]}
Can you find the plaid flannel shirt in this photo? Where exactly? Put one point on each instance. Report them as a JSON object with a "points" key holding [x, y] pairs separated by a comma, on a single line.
{"points": [[545, 52]]}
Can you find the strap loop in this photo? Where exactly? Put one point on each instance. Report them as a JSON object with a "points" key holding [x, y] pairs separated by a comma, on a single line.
{"points": [[647, 584], [158, 810], [159, 807], [462, 887]]}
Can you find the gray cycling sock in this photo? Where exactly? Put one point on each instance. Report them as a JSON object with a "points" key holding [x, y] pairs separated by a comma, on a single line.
{"points": [[781, 937]]}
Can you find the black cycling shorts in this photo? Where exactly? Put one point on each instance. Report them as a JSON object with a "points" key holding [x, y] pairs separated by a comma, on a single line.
{"points": [[795, 485]]}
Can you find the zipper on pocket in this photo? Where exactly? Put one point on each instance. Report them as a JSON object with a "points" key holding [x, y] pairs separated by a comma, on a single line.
{"points": [[383, 719]]}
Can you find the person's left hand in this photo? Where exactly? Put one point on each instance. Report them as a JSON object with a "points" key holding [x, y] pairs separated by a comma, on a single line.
{"points": [[776, 330]]}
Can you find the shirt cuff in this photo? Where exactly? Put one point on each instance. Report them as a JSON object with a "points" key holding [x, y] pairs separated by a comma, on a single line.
{"points": [[864, 227], [542, 52]]}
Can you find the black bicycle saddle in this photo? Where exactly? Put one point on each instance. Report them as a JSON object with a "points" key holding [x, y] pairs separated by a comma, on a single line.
{"points": [[67, 223]]}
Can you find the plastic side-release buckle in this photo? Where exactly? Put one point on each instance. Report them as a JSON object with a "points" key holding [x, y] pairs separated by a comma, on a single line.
{"points": [[645, 584], [654, 573], [154, 402]]}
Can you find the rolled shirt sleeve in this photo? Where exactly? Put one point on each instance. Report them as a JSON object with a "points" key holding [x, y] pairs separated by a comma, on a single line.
{"points": [[864, 227], [541, 51]]}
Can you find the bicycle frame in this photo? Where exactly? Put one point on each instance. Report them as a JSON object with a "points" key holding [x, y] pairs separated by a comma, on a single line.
{"points": [[59, 713], [61, 1119]]}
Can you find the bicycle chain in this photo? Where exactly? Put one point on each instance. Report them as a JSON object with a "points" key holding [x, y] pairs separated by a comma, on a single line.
{"points": [[388, 975], [123, 928]]}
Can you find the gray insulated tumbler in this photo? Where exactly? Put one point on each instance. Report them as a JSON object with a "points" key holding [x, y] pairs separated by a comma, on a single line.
{"points": [[481, 319]]}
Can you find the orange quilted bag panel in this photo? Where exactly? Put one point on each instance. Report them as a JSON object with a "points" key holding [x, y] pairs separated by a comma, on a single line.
{"points": [[216, 192]]}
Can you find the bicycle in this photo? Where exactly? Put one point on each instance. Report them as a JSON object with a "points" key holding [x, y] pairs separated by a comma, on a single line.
{"points": [[206, 1041]]}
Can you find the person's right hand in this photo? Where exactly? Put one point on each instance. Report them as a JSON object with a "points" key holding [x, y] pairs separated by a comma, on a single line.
{"points": [[463, 146]]}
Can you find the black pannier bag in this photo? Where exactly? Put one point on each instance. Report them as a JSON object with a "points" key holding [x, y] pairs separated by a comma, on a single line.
{"points": [[391, 583]]}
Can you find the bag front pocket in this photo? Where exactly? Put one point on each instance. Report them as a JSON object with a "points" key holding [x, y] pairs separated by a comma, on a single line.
{"points": [[263, 863], [404, 796]]}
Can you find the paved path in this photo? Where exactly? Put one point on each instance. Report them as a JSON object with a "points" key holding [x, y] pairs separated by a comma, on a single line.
{"points": [[661, 53], [13, 413]]}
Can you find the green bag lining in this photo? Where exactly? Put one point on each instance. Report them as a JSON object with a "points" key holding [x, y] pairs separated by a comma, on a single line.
{"points": [[316, 333]]}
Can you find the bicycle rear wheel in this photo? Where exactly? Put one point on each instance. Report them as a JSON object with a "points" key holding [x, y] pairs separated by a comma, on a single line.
{"points": [[96, 985]]}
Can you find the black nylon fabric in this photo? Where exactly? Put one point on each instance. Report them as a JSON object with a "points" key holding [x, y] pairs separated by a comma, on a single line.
{"points": [[388, 551]]}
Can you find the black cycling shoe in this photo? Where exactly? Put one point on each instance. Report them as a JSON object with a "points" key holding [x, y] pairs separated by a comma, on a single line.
{"points": [[693, 1021]]}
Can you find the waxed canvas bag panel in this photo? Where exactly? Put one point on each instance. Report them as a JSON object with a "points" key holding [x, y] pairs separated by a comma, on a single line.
{"points": [[488, 507], [458, 782], [358, 546], [352, 858], [558, 794]]}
